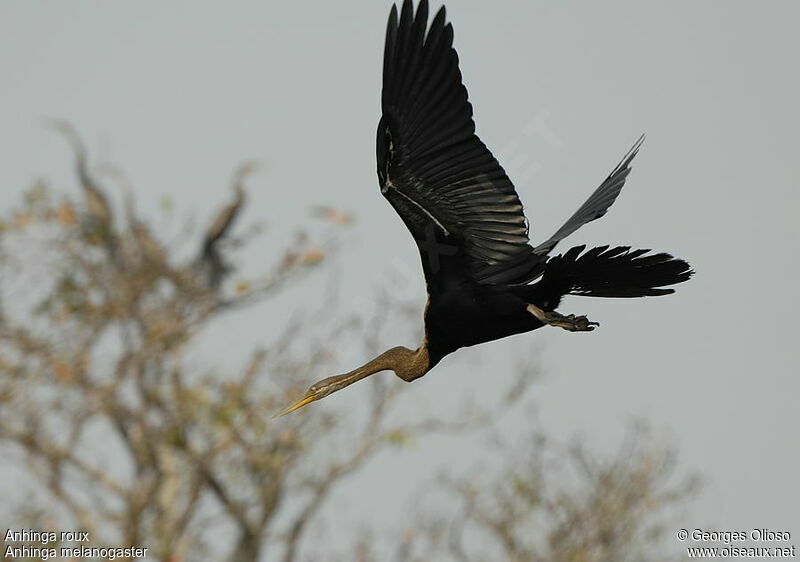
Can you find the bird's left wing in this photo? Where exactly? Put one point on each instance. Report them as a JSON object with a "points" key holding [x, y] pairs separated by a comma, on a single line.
{"points": [[432, 168]]}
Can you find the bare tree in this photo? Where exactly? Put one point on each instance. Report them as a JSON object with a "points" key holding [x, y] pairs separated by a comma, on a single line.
{"points": [[116, 428], [551, 502], [110, 425]]}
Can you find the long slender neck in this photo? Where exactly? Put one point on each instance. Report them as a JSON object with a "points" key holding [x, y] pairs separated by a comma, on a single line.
{"points": [[406, 364]]}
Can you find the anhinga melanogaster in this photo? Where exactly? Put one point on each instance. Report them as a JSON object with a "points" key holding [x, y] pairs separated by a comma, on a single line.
{"points": [[484, 280]]}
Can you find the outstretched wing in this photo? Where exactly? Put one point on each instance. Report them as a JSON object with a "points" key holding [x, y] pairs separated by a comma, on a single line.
{"points": [[598, 202], [450, 191]]}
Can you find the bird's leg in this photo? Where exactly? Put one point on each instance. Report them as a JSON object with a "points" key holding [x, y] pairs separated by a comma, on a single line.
{"points": [[570, 323]]}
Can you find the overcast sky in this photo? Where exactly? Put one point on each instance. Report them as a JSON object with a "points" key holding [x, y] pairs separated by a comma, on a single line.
{"points": [[179, 93]]}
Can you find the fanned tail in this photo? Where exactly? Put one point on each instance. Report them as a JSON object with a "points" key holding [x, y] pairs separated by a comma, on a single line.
{"points": [[615, 272]]}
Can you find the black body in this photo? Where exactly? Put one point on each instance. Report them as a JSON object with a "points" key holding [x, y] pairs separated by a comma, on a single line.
{"points": [[463, 212]]}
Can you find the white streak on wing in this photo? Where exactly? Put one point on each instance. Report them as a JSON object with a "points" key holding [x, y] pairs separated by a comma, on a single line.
{"points": [[420, 207]]}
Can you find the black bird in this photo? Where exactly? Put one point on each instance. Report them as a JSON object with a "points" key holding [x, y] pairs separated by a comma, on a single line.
{"points": [[484, 279]]}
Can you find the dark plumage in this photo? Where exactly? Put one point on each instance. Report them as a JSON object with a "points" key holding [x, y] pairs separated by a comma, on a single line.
{"points": [[485, 281]]}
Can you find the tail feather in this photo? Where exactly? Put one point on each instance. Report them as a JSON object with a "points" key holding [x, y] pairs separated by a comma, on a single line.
{"points": [[615, 272]]}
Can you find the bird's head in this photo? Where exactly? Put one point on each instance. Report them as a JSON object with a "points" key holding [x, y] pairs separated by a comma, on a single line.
{"points": [[317, 391], [406, 364]]}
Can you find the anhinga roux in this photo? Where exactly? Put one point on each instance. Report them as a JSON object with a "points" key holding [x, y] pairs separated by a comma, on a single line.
{"points": [[484, 280]]}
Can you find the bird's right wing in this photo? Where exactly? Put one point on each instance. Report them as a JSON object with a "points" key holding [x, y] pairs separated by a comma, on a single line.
{"points": [[598, 202]]}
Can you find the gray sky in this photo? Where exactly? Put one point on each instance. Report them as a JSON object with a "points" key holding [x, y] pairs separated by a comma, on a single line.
{"points": [[179, 93]]}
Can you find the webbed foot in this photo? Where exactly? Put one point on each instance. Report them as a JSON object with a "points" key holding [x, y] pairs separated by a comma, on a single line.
{"points": [[571, 323]]}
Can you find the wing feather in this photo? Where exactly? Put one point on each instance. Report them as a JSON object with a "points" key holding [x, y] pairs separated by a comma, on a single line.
{"points": [[432, 167], [438, 174], [598, 202]]}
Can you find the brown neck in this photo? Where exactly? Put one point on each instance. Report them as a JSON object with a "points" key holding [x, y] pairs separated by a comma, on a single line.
{"points": [[406, 364]]}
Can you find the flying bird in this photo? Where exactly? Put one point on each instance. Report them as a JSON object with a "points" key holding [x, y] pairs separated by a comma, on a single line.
{"points": [[484, 279]]}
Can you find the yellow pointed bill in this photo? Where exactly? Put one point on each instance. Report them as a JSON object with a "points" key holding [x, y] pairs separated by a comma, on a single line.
{"points": [[307, 399]]}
